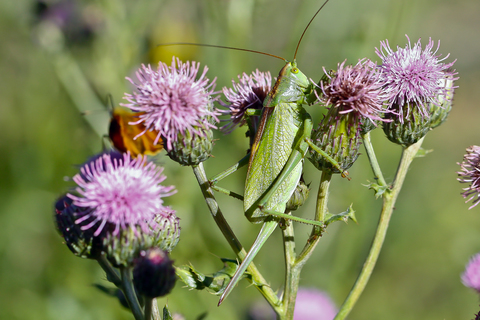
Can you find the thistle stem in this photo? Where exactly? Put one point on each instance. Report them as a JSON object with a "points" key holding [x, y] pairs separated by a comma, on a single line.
{"points": [[232, 240], [389, 199], [321, 210], [129, 292], [111, 273], [292, 276], [148, 308], [367, 143], [295, 264], [155, 310], [322, 195]]}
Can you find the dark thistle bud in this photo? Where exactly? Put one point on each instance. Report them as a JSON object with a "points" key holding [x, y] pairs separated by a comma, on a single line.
{"points": [[179, 107], [81, 243], [154, 274]]}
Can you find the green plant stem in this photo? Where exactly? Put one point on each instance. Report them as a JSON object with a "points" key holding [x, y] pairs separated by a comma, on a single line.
{"points": [[321, 210], [367, 143], [292, 277], [389, 199], [293, 264], [322, 195], [129, 292], [148, 308], [155, 310], [111, 273], [232, 240]]}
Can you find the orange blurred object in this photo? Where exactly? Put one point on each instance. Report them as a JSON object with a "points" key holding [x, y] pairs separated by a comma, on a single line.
{"points": [[122, 134]]}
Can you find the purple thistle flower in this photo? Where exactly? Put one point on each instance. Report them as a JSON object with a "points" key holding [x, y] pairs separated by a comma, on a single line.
{"points": [[173, 101], [119, 192], [411, 75], [313, 304], [471, 174], [248, 93], [355, 89], [471, 276]]}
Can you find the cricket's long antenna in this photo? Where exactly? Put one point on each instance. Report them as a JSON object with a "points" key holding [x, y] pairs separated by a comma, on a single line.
{"points": [[215, 46], [308, 25]]}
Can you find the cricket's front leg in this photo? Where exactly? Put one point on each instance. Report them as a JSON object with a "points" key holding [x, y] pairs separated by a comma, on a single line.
{"points": [[213, 181], [244, 161], [344, 173]]}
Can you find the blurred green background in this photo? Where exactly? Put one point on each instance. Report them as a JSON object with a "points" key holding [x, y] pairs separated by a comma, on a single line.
{"points": [[48, 77]]}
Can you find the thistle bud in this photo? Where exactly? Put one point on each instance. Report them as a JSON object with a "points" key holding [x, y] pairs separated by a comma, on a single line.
{"points": [[166, 230], [154, 274], [337, 135], [412, 128], [194, 145], [367, 125], [124, 247]]}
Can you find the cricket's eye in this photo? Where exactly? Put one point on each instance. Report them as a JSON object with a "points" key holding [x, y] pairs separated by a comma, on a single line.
{"points": [[295, 70]]}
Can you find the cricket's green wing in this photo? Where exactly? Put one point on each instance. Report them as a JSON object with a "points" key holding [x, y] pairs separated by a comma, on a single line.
{"points": [[271, 151]]}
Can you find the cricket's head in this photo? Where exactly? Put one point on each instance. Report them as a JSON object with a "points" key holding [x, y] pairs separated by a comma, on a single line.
{"points": [[292, 85], [296, 77]]}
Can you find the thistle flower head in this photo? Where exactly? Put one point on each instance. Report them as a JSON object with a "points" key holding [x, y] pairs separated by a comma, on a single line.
{"points": [[470, 173], [119, 192], [471, 276], [355, 89], [248, 93], [414, 76], [173, 100]]}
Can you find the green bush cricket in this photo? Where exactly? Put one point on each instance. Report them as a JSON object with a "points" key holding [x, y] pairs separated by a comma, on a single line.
{"points": [[276, 157], [275, 162]]}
